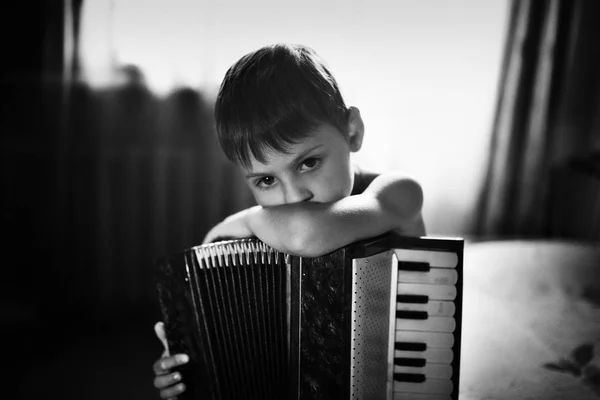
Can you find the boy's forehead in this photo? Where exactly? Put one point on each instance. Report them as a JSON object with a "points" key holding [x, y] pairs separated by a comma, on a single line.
{"points": [[280, 159], [323, 137]]}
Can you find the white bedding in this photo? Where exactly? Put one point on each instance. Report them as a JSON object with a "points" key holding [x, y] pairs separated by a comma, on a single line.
{"points": [[531, 321]]}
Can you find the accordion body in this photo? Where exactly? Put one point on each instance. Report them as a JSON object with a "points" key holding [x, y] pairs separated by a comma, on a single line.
{"points": [[377, 319]]}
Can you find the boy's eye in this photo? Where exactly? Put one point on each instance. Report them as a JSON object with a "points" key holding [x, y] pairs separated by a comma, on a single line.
{"points": [[309, 163], [265, 182]]}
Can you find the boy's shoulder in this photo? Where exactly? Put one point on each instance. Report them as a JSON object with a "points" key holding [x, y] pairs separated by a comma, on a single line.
{"points": [[362, 179], [399, 193], [397, 186]]}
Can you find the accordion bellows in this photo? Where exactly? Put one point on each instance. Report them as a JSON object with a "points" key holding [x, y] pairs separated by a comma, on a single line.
{"points": [[378, 319]]}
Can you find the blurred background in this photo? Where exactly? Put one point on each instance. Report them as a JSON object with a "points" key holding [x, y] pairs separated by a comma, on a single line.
{"points": [[109, 156]]}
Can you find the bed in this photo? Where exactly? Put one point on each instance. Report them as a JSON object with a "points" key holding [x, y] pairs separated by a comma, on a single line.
{"points": [[531, 320]]}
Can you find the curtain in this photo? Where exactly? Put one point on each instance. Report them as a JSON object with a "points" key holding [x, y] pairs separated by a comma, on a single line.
{"points": [[544, 113], [33, 119], [142, 176], [98, 183], [147, 179], [33, 99]]}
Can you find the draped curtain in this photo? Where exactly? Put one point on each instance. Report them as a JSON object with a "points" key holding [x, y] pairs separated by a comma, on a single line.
{"points": [[545, 113], [98, 183], [144, 178]]}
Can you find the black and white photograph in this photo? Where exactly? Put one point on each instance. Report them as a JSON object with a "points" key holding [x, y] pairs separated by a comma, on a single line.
{"points": [[317, 199]]}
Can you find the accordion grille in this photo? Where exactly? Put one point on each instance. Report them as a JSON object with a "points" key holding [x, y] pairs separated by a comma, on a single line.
{"points": [[370, 326]]}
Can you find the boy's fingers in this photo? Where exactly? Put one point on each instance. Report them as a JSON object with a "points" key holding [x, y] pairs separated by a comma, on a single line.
{"points": [[171, 392], [164, 381], [164, 365], [159, 329], [158, 368]]}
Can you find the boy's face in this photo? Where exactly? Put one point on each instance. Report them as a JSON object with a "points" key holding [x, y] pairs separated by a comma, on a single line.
{"points": [[317, 169]]}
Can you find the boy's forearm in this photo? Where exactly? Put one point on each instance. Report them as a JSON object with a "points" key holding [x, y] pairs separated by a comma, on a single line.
{"points": [[309, 229], [283, 227]]}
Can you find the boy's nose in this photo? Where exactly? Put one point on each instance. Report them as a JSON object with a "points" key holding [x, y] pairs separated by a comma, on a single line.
{"points": [[297, 194]]}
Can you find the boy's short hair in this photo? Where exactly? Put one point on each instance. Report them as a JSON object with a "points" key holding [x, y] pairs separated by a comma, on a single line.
{"points": [[275, 97]]}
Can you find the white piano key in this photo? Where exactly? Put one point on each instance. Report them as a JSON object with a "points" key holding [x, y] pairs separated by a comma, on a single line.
{"points": [[433, 308], [435, 276], [437, 355], [433, 324], [439, 259], [431, 339], [431, 386], [430, 370], [435, 292], [420, 396]]}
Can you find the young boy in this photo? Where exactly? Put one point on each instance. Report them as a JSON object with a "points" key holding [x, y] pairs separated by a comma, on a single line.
{"points": [[281, 118]]}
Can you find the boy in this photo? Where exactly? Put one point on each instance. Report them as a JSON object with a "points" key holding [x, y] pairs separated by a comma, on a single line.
{"points": [[281, 118]]}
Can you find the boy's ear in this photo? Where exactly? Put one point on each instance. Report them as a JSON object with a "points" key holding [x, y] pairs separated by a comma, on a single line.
{"points": [[356, 129]]}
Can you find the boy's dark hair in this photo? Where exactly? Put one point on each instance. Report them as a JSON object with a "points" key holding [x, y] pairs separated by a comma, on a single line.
{"points": [[275, 97]]}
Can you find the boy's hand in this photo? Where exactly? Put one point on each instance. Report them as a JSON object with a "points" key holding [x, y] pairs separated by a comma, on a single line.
{"points": [[169, 383], [232, 227]]}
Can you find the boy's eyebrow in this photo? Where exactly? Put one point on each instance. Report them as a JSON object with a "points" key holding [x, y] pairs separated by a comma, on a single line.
{"points": [[304, 153], [294, 161]]}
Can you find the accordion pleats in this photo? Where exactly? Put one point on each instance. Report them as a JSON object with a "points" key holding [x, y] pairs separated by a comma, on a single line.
{"points": [[241, 313]]}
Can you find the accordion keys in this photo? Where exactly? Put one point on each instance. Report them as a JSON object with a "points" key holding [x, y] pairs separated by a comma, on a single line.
{"points": [[426, 325]]}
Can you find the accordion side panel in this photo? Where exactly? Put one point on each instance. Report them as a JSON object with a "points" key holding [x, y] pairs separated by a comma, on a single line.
{"points": [[325, 307], [179, 317], [458, 331]]}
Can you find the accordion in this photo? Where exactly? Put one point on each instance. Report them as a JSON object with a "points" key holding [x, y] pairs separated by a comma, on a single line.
{"points": [[377, 319]]}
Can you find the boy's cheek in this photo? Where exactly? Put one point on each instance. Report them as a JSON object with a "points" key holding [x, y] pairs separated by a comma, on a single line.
{"points": [[262, 198], [268, 198]]}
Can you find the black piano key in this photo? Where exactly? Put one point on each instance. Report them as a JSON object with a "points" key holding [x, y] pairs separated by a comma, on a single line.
{"points": [[410, 346], [403, 377], [412, 298], [417, 266], [409, 314], [409, 362]]}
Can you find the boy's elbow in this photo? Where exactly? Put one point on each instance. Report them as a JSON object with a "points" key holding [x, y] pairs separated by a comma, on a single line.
{"points": [[415, 196]]}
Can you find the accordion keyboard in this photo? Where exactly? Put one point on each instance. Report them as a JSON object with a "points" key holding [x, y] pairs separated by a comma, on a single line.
{"points": [[424, 349]]}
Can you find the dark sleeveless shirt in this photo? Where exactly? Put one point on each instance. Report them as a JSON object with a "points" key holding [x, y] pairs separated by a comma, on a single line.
{"points": [[362, 179]]}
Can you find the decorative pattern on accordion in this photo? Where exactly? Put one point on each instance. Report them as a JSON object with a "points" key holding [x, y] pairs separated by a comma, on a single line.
{"points": [[259, 324], [325, 302]]}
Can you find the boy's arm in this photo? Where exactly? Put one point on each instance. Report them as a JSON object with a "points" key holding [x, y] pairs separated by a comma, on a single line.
{"points": [[233, 227], [391, 203]]}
